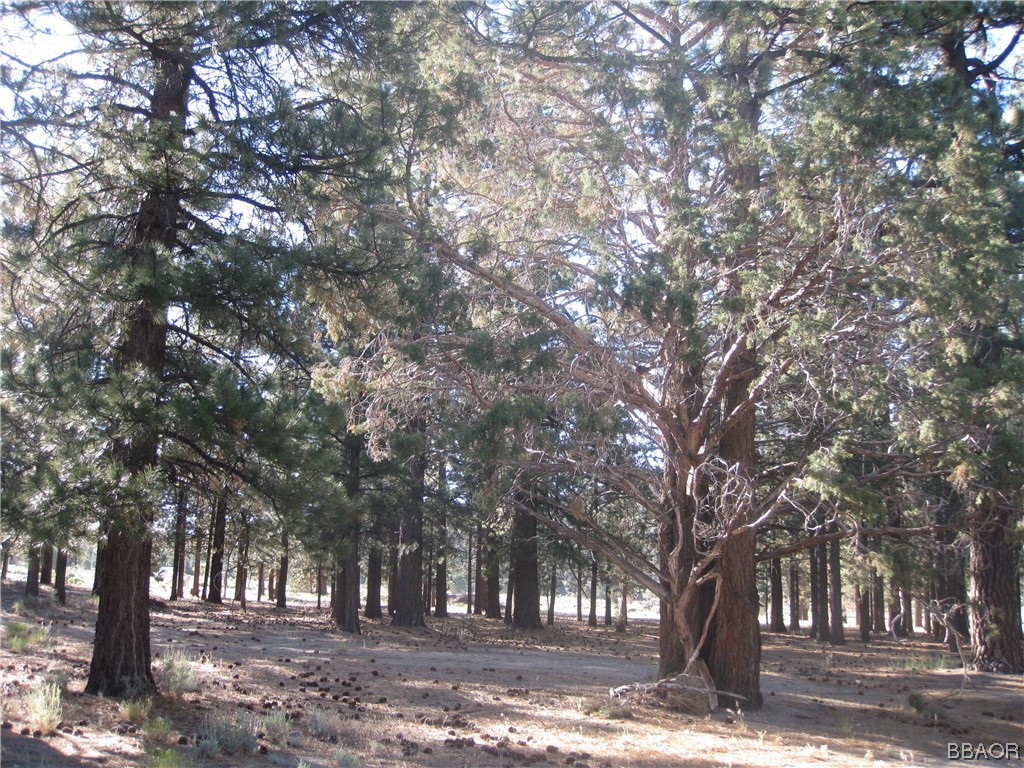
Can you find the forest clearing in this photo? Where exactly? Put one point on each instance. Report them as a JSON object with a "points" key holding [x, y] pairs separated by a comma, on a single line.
{"points": [[469, 691], [712, 312]]}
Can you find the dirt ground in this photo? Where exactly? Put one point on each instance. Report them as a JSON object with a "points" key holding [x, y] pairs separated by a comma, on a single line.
{"points": [[468, 691]]}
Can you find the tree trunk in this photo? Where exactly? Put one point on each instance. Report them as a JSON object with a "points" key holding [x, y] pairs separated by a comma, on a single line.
{"points": [[32, 578], [620, 623], [177, 558], [409, 587], [374, 573], [877, 601], [777, 620], [824, 629], [6, 561], [864, 618], [592, 615], [346, 584], [815, 594], [578, 573], [46, 565], [216, 569], [241, 572], [469, 573], [60, 583], [794, 596], [526, 608], [441, 567], [907, 608], [837, 635], [260, 579], [481, 580], [197, 565], [552, 592], [995, 595], [510, 590], [392, 571], [271, 586], [492, 607], [121, 655], [282, 572], [608, 601]]}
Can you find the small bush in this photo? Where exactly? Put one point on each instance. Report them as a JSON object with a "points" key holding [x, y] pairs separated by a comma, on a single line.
{"points": [[157, 728], [232, 737], [21, 637], [168, 758], [608, 711], [179, 672], [917, 701], [275, 726], [321, 724], [45, 707], [136, 710], [344, 759]]}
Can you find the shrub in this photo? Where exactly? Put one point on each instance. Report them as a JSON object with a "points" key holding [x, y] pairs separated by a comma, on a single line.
{"points": [[21, 637], [232, 737], [275, 726], [344, 759], [179, 672], [45, 707], [168, 758], [321, 724], [136, 710], [157, 728]]}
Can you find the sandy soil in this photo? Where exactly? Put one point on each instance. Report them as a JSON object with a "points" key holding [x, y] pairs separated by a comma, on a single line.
{"points": [[467, 691]]}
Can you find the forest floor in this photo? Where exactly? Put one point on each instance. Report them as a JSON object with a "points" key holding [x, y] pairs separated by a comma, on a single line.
{"points": [[468, 691]]}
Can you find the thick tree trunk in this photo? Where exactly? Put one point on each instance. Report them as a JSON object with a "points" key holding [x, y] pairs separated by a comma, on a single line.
{"points": [[121, 654], [46, 565], [260, 581], [837, 634], [526, 608], [864, 614], [6, 561], [824, 628], [374, 573], [346, 584], [409, 587], [877, 601], [32, 578], [608, 602], [271, 586], [794, 596], [216, 569], [777, 619], [60, 579], [995, 595]]}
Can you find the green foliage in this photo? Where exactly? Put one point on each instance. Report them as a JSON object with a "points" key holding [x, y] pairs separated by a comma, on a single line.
{"points": [[21, 637], [44, 707], [222, 735], [179, 671], [136, 710]]}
